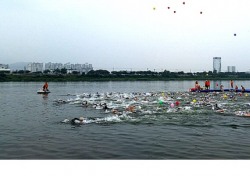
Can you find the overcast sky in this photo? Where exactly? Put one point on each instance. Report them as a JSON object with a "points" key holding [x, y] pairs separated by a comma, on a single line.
{"points": [[127, 34]]}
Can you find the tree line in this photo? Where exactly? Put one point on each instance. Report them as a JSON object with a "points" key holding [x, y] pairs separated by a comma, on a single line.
{"points": [[105, 75]]}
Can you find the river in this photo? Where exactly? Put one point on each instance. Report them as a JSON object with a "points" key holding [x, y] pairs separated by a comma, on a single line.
{"points": [[32, 128]]}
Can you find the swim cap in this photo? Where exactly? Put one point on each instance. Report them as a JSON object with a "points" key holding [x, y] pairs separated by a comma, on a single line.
{"points": [[172, 105]]}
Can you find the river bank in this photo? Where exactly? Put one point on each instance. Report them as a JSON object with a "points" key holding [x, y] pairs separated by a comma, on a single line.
{"points": [[75, 78]]}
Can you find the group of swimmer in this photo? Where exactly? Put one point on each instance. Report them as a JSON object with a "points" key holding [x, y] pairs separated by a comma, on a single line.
{"points": [[197, 86], [139, 105]]}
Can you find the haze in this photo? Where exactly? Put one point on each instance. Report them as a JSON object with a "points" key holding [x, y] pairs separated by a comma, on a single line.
{"points": [[127, 34]]}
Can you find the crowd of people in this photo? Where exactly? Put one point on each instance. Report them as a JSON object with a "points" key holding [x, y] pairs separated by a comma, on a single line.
{"points": [[198, 87]]}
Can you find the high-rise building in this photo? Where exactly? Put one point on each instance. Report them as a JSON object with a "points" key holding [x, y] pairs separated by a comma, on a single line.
{"points": [[35, 67], [231, 69], [81, 68], [217, 64]]}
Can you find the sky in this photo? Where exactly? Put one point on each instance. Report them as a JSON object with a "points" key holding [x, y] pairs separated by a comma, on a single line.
{"points": [[127, 34]]}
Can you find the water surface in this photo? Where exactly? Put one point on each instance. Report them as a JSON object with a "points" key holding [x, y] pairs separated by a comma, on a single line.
{"points": [[32, 128]]}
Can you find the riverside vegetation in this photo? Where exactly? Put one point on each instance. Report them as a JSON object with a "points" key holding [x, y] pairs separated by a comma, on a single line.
{"points": [[61, 75]]}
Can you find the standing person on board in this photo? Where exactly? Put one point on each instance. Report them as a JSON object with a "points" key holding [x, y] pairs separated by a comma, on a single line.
{"points": [[232, 84], [197, 86], [236, 88], [207, 84], [45, 87], [243, 89], [222, 88]]}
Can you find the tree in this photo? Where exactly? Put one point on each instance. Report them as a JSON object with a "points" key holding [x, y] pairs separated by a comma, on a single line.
{"points": [[75, 72], [46, 71], [64, 71]]}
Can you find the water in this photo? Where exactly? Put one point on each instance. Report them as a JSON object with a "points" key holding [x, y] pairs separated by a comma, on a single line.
{"points": [[32, 128]]}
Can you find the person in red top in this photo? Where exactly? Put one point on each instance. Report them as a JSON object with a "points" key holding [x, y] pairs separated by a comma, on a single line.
{"points": [[207, 84], [45, 86]]}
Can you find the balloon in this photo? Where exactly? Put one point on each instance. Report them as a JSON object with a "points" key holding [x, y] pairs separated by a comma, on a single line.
{"points": [[160, 102]]}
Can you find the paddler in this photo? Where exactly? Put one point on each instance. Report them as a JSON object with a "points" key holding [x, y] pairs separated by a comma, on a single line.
{"points": [[45, 87]]}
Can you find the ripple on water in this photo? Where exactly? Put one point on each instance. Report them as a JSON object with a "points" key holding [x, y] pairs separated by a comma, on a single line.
{"points": [[31, 126]]}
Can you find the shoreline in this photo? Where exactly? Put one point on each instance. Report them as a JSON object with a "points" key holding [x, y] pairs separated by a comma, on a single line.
{"points": [[83, 78]]}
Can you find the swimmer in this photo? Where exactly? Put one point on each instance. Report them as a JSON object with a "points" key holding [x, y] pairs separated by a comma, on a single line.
{"points": [[130, 108], [105, 107], [217, 108], [77, 121], [242, 113], [85, 103], [247, 114]]}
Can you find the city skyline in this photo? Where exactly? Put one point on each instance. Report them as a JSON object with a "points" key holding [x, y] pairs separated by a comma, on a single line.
{"points": [[76, 66], [127, 35]]}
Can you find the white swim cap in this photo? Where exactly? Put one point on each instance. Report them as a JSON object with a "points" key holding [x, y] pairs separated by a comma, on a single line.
{"points": [[81, 118]]}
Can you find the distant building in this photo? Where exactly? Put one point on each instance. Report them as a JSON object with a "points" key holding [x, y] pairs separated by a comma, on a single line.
{"points": [[217, 64], [231, 69], [80, 68], [68, 66], [87, 67], [4, 68], [35, 67], [53, 66]]}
